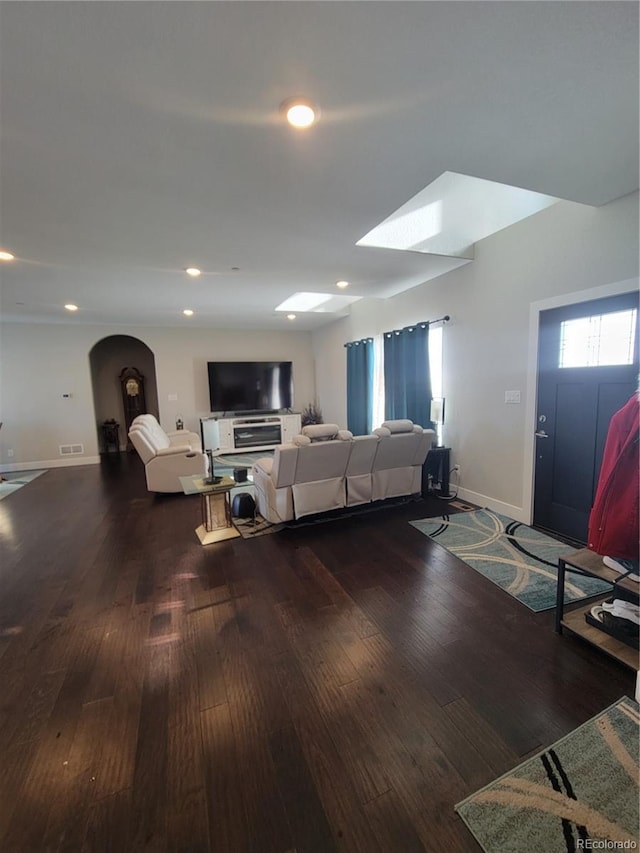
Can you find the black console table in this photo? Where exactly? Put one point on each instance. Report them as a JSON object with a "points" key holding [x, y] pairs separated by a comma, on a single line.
{"points": [[435, 472], [111, 436]]}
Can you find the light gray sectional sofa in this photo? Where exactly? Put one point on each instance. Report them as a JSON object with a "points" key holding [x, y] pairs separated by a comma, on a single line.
{"points": [[326, 468]]}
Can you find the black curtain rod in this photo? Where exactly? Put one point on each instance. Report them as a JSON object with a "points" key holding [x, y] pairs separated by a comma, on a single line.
{"points": [[444, 319]]}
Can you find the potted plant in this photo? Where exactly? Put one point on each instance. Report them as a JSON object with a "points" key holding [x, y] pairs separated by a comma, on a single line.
{"points": [[311, 414]]}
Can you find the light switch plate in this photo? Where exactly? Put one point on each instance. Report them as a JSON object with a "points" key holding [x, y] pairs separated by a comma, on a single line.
{"points": [[512, 396]]}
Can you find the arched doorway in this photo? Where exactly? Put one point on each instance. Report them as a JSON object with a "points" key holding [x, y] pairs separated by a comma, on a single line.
{"points": [[107, 359]]}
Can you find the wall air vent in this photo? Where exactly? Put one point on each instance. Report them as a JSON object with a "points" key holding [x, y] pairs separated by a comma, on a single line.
{"points": [[71, 449]]}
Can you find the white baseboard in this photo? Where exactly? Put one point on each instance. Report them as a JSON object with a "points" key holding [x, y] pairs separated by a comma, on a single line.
{"points": [[517, 513], [49, 463]]}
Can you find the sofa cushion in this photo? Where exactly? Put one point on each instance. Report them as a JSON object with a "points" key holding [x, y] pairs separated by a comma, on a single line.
{"points": [[400, 425], [301, 440], [320, 432]]}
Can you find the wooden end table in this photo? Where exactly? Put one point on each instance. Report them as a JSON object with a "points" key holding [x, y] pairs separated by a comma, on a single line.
{"points": [[215, 506]]}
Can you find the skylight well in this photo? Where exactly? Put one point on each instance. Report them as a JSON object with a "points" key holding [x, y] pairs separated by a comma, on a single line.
{"points": [[453, 213], [317, 303]]}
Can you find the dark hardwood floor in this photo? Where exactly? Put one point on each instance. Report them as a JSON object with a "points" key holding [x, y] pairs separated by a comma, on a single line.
{"points": [[336, 687]]}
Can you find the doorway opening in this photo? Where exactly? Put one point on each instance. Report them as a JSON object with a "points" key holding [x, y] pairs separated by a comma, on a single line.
{"points": [[108, 359]]}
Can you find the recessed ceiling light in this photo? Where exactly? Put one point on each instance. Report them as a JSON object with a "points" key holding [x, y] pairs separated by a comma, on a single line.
{"points": [[291, 316], [342, 284], [193, 271], [299, 112], [6, 256], [71, 307], [188, 312]]}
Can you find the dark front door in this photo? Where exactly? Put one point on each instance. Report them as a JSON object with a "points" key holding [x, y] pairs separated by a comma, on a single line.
{"points": [[587, 370]]}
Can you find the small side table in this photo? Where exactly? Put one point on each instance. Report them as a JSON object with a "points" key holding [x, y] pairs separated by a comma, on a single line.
{"points": [[436, 470], [586, 562], [111, 436], [215, 507]]}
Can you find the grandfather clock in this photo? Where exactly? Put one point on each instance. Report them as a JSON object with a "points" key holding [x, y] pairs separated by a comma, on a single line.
{"points": [[132, 386]]}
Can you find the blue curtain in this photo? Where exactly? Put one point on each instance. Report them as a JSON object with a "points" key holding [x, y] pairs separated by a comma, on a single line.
{"points": [[407, 378], [360, 386]]}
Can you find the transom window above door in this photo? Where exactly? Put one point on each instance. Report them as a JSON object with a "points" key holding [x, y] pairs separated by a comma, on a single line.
{"points": [[598, 341]]}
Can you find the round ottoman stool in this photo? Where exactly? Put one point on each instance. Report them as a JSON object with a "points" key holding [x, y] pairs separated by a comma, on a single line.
{"points": [[243, 505]]}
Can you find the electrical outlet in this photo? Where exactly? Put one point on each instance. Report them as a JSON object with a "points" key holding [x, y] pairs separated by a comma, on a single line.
{"points": [[9, 453], [456, 468]]}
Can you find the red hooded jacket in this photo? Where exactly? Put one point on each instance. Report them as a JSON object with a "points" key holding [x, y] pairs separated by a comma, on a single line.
{"points": [[613, 523]]}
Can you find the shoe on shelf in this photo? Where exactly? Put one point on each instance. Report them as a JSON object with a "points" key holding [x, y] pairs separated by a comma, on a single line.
{"points": [[623, 566]]}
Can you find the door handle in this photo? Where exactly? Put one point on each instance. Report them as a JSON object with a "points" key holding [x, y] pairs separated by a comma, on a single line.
{"points": [[541, 434]]}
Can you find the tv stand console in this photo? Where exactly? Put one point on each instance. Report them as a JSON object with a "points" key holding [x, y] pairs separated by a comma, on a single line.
{"points": [[244, 433]]}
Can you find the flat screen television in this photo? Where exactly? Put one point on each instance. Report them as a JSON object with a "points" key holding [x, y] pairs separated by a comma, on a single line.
{"points": [[250, 386]]}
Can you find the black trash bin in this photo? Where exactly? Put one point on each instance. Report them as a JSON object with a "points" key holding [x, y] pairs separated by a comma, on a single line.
{"points": [[243, 505]]}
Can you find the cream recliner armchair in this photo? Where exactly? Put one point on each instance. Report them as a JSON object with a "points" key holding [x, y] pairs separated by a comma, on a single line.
{"points": [[397, 466], [167, 456]]}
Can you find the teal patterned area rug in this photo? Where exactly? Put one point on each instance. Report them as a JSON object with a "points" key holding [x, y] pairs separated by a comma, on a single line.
{"points": [[15, 480], [580, 794], [517, 558]]}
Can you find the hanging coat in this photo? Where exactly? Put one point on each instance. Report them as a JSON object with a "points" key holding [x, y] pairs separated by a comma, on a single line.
{"points": [[613, 523]]}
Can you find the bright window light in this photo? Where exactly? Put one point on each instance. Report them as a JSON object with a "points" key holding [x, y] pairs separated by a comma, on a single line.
{"points": [[598, 341], [304, 302], [435, 365]]}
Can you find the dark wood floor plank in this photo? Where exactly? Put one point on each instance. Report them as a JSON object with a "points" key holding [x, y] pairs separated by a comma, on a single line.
{"points": [[420, 774], [211, 686], [419, 651], [148, 820], [483, 738], [14, 768], [306, 816], [226, 807], [334, 780], [267, 825], [48, 778], [350, 612], [107, 828], [68, 817], [335, 686], [119, 755], [393, 825], [316, 660], [36, 708], [186, 806]]}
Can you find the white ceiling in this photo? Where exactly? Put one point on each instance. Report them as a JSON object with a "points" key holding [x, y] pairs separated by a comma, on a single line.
{"points": [[138, 138]]}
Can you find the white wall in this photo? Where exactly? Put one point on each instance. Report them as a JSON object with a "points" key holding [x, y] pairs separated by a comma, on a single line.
{"points": [[563, 250], [39, 363]]}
